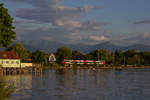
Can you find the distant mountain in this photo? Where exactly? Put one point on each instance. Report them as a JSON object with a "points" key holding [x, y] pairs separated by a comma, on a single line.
{"points": [[80, 47], [106, 46], [52, 46], [48, 46], [137, 47]]}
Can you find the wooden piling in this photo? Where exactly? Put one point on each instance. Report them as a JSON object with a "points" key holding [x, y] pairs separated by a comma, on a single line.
{"points": [[6, 71]]}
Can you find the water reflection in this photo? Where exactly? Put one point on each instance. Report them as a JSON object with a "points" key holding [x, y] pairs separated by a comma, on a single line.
{"points": [[85, 84]]}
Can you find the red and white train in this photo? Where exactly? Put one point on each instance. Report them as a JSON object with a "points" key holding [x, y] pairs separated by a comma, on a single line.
{"points": [[81, 62]]}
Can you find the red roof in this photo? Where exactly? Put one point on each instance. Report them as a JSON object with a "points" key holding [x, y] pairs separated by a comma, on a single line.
{"points": [[8, 55]]}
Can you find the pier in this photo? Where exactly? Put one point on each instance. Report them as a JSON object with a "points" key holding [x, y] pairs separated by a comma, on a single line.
{"points": [[12, 71]]}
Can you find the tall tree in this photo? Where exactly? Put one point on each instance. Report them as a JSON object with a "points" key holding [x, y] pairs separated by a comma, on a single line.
{"points": [[20, 51], [7, 35], [119, 57], [39, 56], [100, 54], [76, 55], [130, 57], [145, 58], [103, 55], [63, 53]]}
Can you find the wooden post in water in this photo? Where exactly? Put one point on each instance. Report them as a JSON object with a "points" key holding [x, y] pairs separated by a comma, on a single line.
{"points": [[1, 72]]}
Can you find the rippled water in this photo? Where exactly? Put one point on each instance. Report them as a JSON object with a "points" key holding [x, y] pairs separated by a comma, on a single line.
{"points": [[83, 84]]}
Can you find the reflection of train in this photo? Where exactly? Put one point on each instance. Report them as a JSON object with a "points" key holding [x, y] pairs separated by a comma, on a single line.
{"points": [[81, 62]]}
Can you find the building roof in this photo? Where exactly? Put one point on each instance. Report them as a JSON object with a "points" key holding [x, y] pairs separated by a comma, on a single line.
{"points": [[8, 55]]}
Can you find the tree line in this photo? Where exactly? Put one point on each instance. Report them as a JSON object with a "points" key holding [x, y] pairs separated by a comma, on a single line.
{"points": [[129, 57]]}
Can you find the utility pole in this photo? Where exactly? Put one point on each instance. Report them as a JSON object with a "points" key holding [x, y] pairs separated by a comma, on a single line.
{"points": [[98, 54], [124, 60]]}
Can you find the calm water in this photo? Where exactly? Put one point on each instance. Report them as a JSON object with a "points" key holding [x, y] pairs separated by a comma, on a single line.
{"points": [[83, 84]]}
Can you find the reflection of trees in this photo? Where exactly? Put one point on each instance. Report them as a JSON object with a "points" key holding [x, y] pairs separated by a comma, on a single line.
{"points": [[66, 83], [6, 90], [80, 84], [22, 84], [83, 83]]}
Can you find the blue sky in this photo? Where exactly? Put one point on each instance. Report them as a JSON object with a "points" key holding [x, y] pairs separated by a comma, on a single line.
{"points": [[122, 22]]}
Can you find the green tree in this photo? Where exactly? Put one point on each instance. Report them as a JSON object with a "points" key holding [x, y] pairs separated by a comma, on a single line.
{"points": [[145, 58], [136, 59], [100, 54], [119, 57], [5, 90], [92, 56], [7, 35], [39, 56], [89, 56], [130, 53], [112, 58], [131, 57], [63, 53], [103, 55], [76, 55], [19, 50]]}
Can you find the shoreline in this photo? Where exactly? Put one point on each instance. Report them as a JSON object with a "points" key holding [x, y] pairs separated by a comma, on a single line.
{"points": [[14, 70], [97, 67]]}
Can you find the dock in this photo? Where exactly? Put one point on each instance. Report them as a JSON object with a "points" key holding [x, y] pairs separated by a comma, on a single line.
{"points": [[12, 71]]}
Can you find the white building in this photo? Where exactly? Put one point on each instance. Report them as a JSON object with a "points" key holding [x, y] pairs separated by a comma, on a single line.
{"points": [[52, 58]]}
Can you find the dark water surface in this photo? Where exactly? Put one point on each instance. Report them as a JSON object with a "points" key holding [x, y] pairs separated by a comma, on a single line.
{"points": [[83, 84]]}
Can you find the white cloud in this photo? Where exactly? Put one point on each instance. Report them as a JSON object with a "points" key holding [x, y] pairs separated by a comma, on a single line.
{"points": [[62, 22], [74, 37], [146, 34], [98, 38]]}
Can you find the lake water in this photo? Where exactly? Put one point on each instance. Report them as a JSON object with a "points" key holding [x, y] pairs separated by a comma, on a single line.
{"points": [[83, 84]]}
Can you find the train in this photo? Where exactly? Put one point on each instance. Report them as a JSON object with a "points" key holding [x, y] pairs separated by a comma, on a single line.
{"points": [[82, 62]]}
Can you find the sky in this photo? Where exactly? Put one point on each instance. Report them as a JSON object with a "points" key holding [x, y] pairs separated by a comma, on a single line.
{"points": [[121, 22]]}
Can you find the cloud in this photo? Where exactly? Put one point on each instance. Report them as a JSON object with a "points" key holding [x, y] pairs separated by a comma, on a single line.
{"points": [[73, 38], [37, 3], [19, 22], [59, 15], [146, 34], [98, 38], [133, 38], [143, 22], [50, 19], [93, 25]]}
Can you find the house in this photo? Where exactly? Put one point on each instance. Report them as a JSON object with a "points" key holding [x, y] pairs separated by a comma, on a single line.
{"points": [[9, 59], [27, 63], [52, 58]]}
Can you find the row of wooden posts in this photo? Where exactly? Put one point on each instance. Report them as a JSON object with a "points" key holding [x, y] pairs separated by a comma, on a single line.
{"points": [[5, 71]]}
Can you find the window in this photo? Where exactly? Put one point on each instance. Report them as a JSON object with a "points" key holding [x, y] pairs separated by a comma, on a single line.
{"points": [[17, 62], [3, 62], [12, 62], [7, 62]]}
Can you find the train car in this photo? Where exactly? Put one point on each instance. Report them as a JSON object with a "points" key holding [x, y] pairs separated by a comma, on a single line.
{"points": [[81, 62]]}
